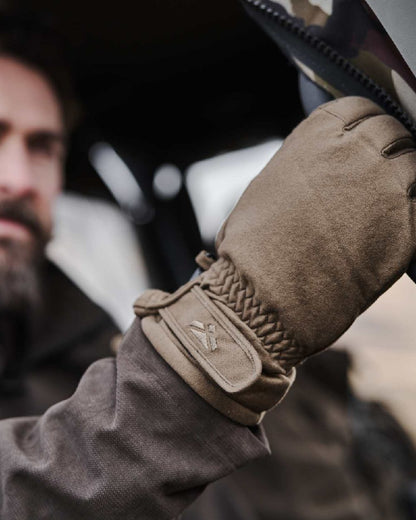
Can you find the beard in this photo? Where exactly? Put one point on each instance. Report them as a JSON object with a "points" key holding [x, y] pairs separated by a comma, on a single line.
{"points": [[21, 261]]}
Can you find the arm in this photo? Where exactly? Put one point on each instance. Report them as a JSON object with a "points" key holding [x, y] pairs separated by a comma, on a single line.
{"points": [[325, 228], [132, 442], [317, 237]]}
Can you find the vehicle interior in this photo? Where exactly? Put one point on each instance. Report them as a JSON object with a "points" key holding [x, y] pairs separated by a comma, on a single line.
{"points": [[166, 85]]}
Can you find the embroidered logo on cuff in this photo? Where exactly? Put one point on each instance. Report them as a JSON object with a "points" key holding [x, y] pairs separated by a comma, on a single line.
{"points": [[205, 334], [213, 341]]}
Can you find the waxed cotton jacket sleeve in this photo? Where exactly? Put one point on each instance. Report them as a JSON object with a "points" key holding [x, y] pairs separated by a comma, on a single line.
{"points": [[133, 442]]}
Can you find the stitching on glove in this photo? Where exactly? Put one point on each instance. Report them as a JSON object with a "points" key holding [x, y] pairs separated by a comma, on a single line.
{"points": [[338, 116], [354, 124], [398, 147]]}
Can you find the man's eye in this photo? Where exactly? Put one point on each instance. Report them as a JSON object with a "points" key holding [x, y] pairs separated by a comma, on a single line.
{"points": [[45, 147], [3, 129]]}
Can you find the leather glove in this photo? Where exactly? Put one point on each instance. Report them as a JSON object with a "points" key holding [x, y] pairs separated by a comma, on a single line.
{"points": [[318, 235]]}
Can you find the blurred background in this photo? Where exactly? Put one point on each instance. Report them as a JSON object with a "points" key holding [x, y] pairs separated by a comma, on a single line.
{"points": [[165, 87]]}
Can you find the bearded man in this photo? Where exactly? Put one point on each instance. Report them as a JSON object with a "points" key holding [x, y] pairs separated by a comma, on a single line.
{"points": [[49, 330]]}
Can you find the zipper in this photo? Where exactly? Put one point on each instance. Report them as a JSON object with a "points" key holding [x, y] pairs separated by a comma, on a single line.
{"points": [[376, 92]]}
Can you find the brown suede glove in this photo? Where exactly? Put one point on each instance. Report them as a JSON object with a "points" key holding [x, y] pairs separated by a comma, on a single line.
{"points": [[326, 227]]}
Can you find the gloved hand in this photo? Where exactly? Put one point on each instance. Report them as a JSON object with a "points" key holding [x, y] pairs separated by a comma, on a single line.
{"points": [[326, 227]]}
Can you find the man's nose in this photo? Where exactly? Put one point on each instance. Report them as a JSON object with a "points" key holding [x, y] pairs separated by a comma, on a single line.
{"points": [[17, 177]]}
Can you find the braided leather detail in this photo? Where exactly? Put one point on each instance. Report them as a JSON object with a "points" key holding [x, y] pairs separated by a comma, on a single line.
{"points": [[238, 294]]}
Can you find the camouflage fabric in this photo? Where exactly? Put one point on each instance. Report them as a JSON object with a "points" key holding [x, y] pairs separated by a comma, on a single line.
{"points": [[350, 28]]}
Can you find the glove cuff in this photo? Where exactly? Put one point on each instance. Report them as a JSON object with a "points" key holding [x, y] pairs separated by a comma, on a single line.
{"points": [[225, 283], [213, 350]]}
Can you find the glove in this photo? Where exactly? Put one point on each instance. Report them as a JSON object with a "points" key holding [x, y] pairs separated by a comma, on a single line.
{"points": [[318, 235]]}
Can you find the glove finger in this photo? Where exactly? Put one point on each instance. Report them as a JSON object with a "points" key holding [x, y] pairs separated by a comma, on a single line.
{"points": [[385, 134]]}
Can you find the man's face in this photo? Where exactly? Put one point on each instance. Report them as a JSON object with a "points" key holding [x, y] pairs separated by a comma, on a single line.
{"points": [[31, 156]]}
